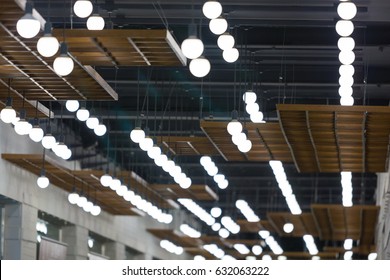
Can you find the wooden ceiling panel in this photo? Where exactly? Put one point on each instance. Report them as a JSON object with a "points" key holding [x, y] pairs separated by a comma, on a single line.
{"points": [[195, 192], [182, 145], [336, 138], [123, 47], [267, 142]]}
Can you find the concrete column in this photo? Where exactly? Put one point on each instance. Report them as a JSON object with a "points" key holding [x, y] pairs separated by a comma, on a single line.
{"points": [[76, 237], [20, 234], [115, 250]]}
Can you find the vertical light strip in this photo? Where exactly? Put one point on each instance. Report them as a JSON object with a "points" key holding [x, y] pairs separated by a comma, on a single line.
{"points": [[344, 27], [346, 183], [285, 187]]}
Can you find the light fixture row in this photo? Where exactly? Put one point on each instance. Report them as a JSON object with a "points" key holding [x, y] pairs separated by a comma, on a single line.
{"points": [[219, 26], [345, 27], [84, 115], [171, 247], [252, 107], [146, 143], [81, 201], [198, 211], [247, 211], [214, 250], [347, 189], [190, 231], [271, 242], [238, 134], [84, 9], [130, 196], [310, 244], [212, 170], [285, 187]]}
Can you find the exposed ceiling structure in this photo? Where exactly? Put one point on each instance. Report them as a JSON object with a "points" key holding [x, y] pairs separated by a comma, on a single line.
{"points": [[133, 72]]}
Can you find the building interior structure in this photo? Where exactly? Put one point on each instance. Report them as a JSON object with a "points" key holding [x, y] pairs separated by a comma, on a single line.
{"points": [[255, 150]]}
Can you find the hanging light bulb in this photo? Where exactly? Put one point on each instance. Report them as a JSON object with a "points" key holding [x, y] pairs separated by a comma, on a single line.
{"points": [[186, 183], [252, 108], [47, 45], [200, 67], [81, 201], [288, 227], [234, 126], [82, 8], [257, 117], [231, 55], [95, 22], [73, 196], [59, 149], [100, 130], [218, 25], [212, 9], [146, 144], [346, 81], [249, 97], [43, 182], [72, 105], [92, 122], [87, 207], [82, 114], [346, 70], [137, 134], [23, 127], [8, 113], [96, 210], [192, 47], [344, 28], [63, 65], [36, 133], [347, 10], [346, 44], [225, 41], [115, 184], [28, 26], [105, 180], [238, 138], [347, 101], [245, 146], [346, 57], [67, 154], [48, 141], [345, 91]]}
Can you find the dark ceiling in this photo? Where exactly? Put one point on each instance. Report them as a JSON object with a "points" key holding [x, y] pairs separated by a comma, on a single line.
{"points": [[288, 50]]}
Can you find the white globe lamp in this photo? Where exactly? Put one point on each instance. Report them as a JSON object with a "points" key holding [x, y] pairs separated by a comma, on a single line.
{"points": [[48, 45], [212, 9], [231, 55], [225, 41], [218, 25], [82, 8], [63, 65], [95, 22], [82, 114], [347, 10], [8, 114], [192, 47], [200, 67], [28, 26], [137, 134], [344, 28], [72, 105]]}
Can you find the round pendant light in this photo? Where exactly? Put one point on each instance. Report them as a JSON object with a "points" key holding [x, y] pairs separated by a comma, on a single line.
{"points": [[347, 101], [81, 201], [82, 114], [23, 127], [146, 144], [192, 47], [186, 183], [212, 9], [96, 210], [67, 154], [216, 212], [105, 180], [48, 45], [234, 127], [43, 182], [245, 146], [216, 227], [137, 134], [345, 91], [36, 133], [252, 108], [346, 81], [249, 97], [231, 55], [346, 44], [238, 138], [200, 67], [28, 26], [63, 65], [73, 197], [72, 105], [257, 117], [344, 28], [48, 141], [82, 8], [347, 10], [225, 41], [288, 227], [95, 22], [346, 57], [8, 114], [92, 122], [346, 70], [115, 184], [100, 130], [218, 25]]}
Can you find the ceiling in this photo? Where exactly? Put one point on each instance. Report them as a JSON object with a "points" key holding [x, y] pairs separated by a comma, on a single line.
{"points": [[288, 55]]}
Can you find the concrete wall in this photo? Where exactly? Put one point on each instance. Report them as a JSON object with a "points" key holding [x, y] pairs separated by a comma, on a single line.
{"points": [[383, 227], [20, 185]]}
